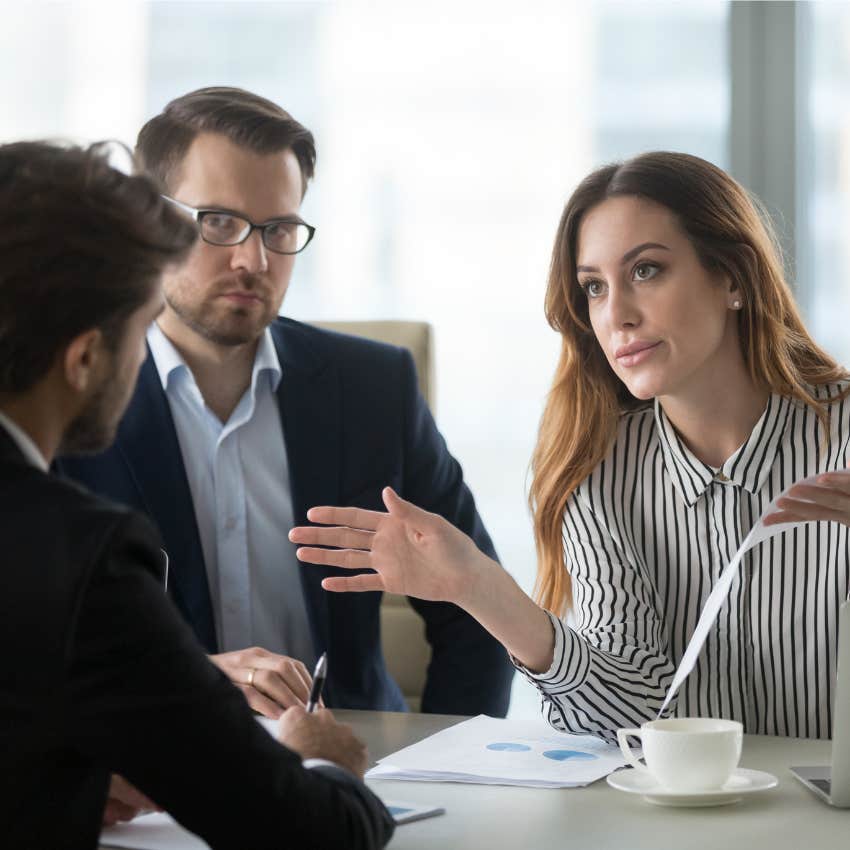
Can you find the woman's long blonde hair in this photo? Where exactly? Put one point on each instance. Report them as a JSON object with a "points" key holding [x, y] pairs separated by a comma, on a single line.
{"points": [[579, 422]]}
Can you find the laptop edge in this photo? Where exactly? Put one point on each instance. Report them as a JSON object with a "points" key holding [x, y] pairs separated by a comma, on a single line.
{"points": [[832, 784]]}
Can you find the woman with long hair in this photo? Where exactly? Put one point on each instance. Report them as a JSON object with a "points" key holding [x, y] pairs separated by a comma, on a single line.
{"points": [[688, 394]]}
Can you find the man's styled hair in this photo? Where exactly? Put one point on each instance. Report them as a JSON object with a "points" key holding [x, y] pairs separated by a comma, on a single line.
{"points": [[248, 120], [81, 246]]}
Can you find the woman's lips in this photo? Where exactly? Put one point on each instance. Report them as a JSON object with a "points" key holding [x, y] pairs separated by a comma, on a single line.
{"points": [[632, 355]]}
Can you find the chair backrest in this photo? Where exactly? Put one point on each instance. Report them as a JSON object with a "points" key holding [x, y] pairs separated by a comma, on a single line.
{"points": [[417, 337], [406, 651]]}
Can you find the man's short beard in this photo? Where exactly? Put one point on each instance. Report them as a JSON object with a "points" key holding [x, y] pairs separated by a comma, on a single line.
{"points": [[93, 430], [210, 331]]}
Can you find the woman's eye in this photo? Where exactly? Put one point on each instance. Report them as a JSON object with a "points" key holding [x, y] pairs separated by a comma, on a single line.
{"points": [[593, 288], [646, 271]]}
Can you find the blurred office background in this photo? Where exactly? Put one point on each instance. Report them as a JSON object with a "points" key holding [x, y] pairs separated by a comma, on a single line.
{"points": [[449, 136]]}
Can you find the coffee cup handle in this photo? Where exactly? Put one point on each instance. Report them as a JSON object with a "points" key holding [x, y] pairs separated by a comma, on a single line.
{"points": [[628, 754]]}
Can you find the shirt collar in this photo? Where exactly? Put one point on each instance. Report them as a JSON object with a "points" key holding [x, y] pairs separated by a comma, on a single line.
{"points": [[748, 467], [24, 442], [266, 360], [168, 360], [166, 357]]}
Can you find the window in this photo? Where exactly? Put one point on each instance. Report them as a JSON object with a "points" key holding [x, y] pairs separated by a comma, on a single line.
{"points": [[823, 177]]}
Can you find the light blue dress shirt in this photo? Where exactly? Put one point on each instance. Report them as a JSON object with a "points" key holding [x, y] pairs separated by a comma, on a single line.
{"points": [[239, 479]]}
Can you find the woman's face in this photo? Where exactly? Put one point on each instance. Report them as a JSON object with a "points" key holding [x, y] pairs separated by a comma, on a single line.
{"points": [[665, 324]]}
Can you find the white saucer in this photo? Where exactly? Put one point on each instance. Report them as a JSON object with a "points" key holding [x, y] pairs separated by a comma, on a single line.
{"points": [[741, 782]]}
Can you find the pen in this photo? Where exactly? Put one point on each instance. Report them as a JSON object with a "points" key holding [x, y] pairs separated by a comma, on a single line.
{"points": [[319, 675]]}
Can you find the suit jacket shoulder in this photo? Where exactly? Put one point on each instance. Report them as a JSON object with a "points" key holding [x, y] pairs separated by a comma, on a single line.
{"points": [[312, 349], [72, 528], [100, 675]]}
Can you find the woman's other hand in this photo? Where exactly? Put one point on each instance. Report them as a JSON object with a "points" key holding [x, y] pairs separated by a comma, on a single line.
{"points": [[826, 499]]}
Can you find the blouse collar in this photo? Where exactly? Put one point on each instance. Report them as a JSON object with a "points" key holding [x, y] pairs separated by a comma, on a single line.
{"points": [[748, 467]]}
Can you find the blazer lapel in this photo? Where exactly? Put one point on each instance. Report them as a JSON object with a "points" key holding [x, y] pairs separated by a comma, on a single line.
{"points": [[10, 452], [148, 441], [308, 396]]}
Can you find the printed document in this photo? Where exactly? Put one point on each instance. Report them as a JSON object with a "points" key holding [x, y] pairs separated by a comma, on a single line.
{"points": [[489, 751]]}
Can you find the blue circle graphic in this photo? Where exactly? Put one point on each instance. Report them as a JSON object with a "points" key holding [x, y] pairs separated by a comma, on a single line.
{"points": [[508, 747], [564, 755]]}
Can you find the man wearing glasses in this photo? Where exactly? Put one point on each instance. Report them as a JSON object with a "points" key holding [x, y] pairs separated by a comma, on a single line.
{"points": [[243, 420]]}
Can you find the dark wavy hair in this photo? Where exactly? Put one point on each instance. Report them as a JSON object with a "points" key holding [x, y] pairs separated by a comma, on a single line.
{"points": [[248, 120], [82, 246]]}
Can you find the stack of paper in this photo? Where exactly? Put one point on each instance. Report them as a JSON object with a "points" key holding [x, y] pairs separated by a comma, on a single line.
{"points": [[488, 751], [159, 831], [154, 831]]}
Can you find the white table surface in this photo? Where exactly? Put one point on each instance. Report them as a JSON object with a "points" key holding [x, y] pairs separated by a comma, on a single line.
{"points": [[486, 817], [598, 817]]}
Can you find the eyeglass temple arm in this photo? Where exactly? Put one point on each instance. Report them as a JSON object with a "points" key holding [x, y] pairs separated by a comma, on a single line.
{"points": [[185, 207]]}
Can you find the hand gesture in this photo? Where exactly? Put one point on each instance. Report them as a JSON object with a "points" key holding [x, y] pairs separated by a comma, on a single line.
{"points": [[827, 500], [411, 551], [270, 682], [319, 736]]}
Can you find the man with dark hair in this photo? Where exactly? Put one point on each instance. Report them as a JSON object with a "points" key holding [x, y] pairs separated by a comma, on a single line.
{"points": [[99, 672], [243, 420]]}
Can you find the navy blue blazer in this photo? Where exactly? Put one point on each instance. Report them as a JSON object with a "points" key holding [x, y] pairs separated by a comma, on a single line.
{"points": [[353, 422]]}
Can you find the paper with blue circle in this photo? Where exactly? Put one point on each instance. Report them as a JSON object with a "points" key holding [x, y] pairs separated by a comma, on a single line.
{"points": [[487, 750], [565, 755]]}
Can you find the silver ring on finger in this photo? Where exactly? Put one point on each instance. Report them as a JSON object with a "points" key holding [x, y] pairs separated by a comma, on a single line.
{"points": [[251, 677]]}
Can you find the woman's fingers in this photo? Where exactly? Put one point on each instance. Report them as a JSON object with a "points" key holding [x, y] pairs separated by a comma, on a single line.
{"points": [[352, 517], [825, 500], [401, 508], [780, 517], [356, 584], [827, 495], [349, 559], [840, 480], [341, 538], [795, 510]]}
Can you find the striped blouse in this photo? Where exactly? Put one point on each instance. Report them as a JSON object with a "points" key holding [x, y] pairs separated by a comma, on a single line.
{"points": [[647, 535]]}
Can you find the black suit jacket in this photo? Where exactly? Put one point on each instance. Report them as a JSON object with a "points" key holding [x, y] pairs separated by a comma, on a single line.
{"points": [[353, 422], [99, 673]]}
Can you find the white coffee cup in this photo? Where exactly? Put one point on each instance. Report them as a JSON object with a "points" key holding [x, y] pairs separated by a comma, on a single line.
{"points": [[686, 753]]}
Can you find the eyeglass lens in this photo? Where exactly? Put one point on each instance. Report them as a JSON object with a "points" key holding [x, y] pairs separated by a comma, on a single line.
{"points": [[285, 237]]}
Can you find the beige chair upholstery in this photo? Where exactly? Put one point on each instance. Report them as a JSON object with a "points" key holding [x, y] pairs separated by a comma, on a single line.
{"points": [[406, 651]]}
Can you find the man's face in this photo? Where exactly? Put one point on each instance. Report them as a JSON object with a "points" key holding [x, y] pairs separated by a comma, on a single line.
{"points": [[228, 295], [95, 426]]}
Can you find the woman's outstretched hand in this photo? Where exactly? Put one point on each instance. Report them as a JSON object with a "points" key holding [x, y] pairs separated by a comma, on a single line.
{"points": [[415, 553], [412, 552], [825, 500]]}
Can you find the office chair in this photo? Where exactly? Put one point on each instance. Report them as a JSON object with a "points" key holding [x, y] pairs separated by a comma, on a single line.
{"points": [[405, 649]]}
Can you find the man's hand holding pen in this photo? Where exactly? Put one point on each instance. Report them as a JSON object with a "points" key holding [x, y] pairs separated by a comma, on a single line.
{"points": [[318, 735]]}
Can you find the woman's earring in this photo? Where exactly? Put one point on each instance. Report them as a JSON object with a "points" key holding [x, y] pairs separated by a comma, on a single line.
{"points": [[736, 305]]}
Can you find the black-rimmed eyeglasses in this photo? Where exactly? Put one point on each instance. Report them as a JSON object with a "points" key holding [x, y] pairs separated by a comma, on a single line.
{"points": [[226, 228]]}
